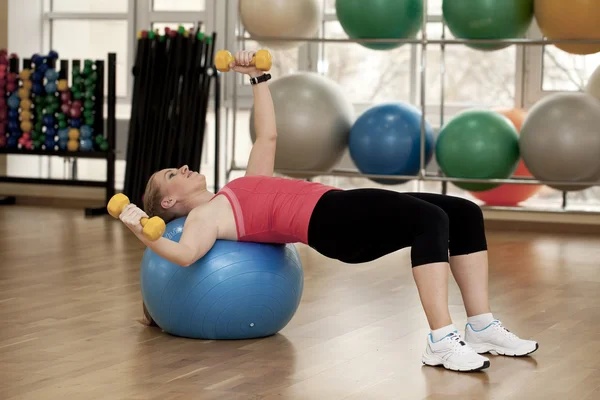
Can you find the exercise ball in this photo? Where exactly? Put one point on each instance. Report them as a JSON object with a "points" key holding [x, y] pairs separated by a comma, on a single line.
{"points": [[386, 140], [511, 194], [488, 19], [280, 19], [572, 19], [238, 290], [560, 140], [314, 119], [478, 144], [380, 19], [593, 85]]}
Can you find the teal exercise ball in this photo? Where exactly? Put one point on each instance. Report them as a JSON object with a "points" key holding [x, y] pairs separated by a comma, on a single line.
{"points": [[478, 144], [237, 290], [380, 19], [488, 19]]}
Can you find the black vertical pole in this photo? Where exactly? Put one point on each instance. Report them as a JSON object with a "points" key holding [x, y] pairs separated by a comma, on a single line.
{"points": [[111, 125], [217, 80], [64, 70], [99, 96], [76, 64]]}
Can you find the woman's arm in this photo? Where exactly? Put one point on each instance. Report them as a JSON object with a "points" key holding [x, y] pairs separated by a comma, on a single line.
{"points": [[198, 237], [262, 155], [177, 253]]}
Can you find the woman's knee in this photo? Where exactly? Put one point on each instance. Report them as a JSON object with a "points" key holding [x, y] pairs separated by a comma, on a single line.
{"points": [[465, 210], [433, 218], [467, 228], [431, 244]]}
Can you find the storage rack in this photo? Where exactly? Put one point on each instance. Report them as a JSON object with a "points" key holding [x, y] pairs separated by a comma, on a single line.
{"points": [[110, 135], [424, 42]]}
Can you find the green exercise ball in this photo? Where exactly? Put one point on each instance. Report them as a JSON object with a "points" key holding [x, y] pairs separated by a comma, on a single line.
{"points": [[380, 19], [478, 144], [488, 19]]}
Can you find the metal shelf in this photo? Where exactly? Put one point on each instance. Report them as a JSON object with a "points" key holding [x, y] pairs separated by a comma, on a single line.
{"points": [[57, 153], [423, 41]]}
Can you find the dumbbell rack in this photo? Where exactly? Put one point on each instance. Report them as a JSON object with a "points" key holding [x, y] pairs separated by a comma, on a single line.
{"points": [[109, 155], [424, 41]]}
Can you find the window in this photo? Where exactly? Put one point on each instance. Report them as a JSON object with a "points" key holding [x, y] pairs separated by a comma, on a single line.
{"points": [[93, 39], [471, 77], [549, 69], [567, 72], [179, 5], [86, 6], [88, 29], [366, 75]]}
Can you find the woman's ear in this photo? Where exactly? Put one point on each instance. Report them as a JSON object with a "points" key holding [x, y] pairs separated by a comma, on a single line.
{"points": [[167, 202]]}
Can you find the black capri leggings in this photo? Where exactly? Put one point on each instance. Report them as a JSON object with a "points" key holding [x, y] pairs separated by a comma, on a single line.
{"points": [[361, 225]]}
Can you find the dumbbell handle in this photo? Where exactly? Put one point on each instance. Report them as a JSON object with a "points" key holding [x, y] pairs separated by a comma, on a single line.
{"points": [[252, 61], [262, 60], [119, 201]]}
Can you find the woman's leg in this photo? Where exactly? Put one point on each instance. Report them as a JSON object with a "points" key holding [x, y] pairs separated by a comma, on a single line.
{"points": [[362, 225], [469, 265], [468, 249]]}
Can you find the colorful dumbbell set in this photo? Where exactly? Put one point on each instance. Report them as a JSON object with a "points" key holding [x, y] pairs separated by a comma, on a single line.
{"points": [[38, 109]]}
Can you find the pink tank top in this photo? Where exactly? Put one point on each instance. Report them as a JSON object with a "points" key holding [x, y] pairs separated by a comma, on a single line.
{"points": [[273, 210]]}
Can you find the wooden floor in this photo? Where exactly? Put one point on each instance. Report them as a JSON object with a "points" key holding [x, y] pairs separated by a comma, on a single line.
{"points": [[69, 300]]}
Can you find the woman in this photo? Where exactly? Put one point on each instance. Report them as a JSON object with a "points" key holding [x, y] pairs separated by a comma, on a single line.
{"points": [[353, 226]]}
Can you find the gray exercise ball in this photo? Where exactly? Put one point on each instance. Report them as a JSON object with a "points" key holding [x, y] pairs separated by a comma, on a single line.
{"points": [[281, 19], [314, 118], [560, 140]]}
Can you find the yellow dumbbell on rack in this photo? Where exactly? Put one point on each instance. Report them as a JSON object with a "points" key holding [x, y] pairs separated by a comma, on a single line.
{"points": [[153, 227], [262, 60]]}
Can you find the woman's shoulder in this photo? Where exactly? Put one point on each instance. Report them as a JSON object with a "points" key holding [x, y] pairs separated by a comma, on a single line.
{"points": [[205, 212]]}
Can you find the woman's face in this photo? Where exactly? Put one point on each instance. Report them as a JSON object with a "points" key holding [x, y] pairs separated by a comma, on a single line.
{"points": [[180, 183]]}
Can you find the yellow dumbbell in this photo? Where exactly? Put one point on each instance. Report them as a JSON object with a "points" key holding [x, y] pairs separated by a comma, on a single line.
{"points": [[153, 227], [262, 60]]}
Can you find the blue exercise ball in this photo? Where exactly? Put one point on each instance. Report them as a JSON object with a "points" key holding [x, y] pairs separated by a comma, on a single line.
{"points": [[238, 290], [386, 140]]}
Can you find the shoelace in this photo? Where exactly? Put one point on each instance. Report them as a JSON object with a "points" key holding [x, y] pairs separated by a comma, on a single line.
{"points": [[499, 327], [459, 345]]}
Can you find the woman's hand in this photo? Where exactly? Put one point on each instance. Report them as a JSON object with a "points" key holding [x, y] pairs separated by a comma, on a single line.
{"points": [[242, 64], [131, 217]]}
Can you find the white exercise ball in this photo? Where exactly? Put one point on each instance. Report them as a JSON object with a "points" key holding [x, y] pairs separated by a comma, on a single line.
{"points": [[314, 118], [281, 19], [593, 85], [560, 140]]}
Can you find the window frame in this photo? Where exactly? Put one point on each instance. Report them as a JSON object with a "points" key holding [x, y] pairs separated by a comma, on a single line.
{"points": [[139, 16], [533, 70]]}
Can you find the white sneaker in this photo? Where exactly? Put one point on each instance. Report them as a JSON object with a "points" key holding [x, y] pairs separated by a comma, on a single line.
{"points": [[454, 354], [496, 339]]}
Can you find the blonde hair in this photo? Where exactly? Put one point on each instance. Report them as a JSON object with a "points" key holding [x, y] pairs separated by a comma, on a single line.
{"points": [[152, 199]]}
